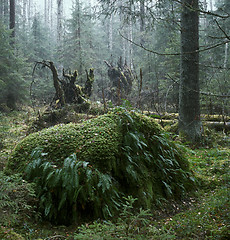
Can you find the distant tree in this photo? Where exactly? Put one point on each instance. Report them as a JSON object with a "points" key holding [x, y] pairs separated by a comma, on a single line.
{"points": [[24, 14], [12, 68], [1, 10], [12, 18], [4, 11], [142, 19], [59, 19], [79, 43]]}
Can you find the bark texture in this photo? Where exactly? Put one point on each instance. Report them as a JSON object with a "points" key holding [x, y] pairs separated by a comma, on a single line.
{"points": [[190, 124]]}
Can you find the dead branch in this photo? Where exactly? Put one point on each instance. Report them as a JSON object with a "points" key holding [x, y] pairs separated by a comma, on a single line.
{"points": [[203, 93], [173, 54]]}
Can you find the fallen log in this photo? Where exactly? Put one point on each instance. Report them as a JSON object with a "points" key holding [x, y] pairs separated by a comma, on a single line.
{"points": [[171, 125], [218, 126]]}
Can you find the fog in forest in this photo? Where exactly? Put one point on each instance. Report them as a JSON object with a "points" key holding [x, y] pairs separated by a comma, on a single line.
{"points": [[114, 119]]}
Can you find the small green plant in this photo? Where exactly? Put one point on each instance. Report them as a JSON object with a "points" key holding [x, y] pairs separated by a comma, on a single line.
{"points": [[130, 224], [135, 222], [208, 220], [17, 200], [9, 234]]}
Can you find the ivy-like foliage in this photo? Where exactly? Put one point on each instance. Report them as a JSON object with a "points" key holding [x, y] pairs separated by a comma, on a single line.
{"points": [[118, 154]]}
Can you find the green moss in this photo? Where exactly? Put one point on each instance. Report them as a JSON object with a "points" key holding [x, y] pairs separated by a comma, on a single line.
{"points": [[95, 140], [173, 128]]}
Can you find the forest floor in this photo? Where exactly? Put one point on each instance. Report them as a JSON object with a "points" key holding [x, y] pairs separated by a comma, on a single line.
{"points": [[204, 214]]}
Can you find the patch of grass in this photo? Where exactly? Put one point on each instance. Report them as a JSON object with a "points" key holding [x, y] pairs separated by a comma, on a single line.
{"points": [[17, 200], [208, 220], [211, 166], [13, 128]]}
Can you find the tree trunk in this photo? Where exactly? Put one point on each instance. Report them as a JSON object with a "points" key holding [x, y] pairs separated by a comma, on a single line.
{"points": [[190, 125], [51, 14], [210, 4], [59, 19], [6, 11], [59, 91], [111, 34], [142, 19], [1, 10], [12, 19], [24, 14], [226, 55], [29, 11], [45, 11], [79, 39]]}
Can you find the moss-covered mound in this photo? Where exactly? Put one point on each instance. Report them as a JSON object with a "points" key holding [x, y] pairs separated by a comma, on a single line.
{"points": [[93, 140], [118, 154]]}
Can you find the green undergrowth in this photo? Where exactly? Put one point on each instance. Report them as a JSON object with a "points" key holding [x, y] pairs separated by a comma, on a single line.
{"points": [[13, 128], [211, 166], [208, 219], [205, 215], [87, 168], [17, 200], [9, 234]]}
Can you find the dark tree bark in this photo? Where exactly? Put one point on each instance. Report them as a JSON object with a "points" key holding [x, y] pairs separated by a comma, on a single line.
{"points": [[121, 79], [59, 91], [67, 91], [73, 92], [60, 98], [190, 124], [12, 18], [89, 83]]}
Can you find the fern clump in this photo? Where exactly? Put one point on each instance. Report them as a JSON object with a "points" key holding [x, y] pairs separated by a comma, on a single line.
{"points": [[84, 170], [75, 190]]}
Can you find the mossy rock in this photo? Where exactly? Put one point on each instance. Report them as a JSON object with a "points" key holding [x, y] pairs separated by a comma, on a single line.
{"points": [[130, 147]]}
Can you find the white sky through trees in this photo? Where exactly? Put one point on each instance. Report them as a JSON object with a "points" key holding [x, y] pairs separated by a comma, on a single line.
{"points": [[68, 4], [39, 4]]}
